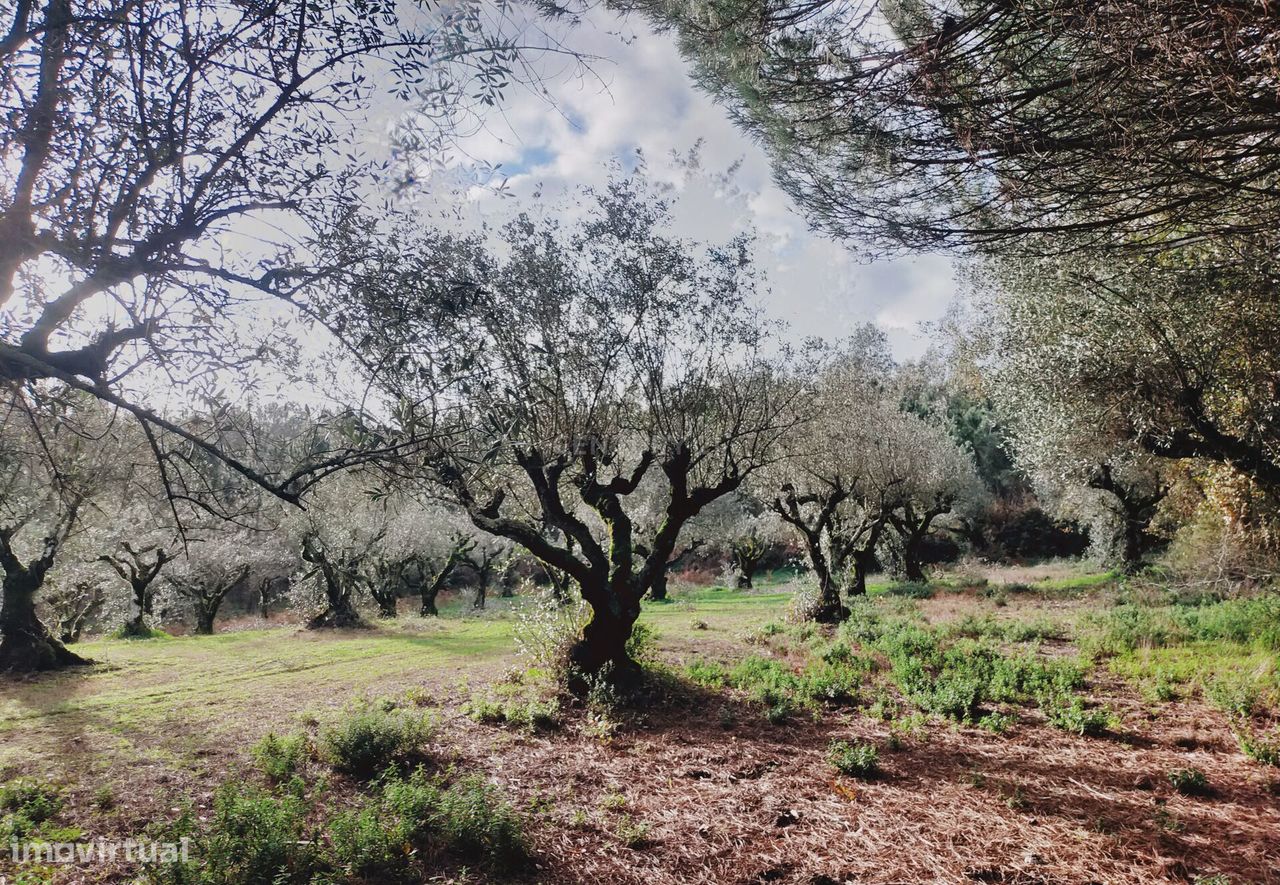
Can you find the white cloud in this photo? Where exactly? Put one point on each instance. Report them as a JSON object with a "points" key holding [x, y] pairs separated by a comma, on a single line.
{"points": [[640, 98]]}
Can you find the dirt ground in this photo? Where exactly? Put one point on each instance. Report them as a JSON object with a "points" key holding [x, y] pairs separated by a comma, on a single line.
{"points": [[696, 786]]}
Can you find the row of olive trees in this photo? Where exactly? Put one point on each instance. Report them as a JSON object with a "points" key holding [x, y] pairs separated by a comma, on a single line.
{"points": [[582, 395], [98, 542], [165, 170]]}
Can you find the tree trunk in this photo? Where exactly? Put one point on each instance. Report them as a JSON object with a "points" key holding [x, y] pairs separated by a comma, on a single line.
{"points": [[482, 592], [1133, 545], [386, 603], [136, 627], [658, 592], [601, 651], [340, 612], [26, 645], [911, 567], [204, 621], [746, 558], [429, 609], [861, 566], [830, 608]]}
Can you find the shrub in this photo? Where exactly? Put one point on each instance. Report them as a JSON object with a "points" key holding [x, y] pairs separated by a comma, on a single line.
{"points": [[1189, 781], [1068, 712], [419, 815], [831, 682], [633, 833], [279, 757], [477, 824], [1234, 695], [369, 739], [26, 804], [362, 845], [778, 712], [520, 712], [35, 801], [1131, 627], [546, 628], [854, 759], [709, 673], [1259, 748], [642, 644], [997, 722], [764, 679], [804, 604], [251, 837]]}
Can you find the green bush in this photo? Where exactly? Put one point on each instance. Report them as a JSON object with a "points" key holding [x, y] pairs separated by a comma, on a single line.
{"points": [[854, 759], [779, 712], [369, 739], [26, 805], [997, 722], [1260, 748], [1235, 694], [1189, 781], [642, 644], [363, 845], [712, 674], [1069, 713], [519, 712], [468, 820], [478, 825], [279, 757], [764, 679], [252, 837], [35, 801]]}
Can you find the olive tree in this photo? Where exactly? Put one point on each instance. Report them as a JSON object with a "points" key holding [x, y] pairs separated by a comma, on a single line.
{"points": [[1172, 356], [861, 465], [223, 557], [744, 527], [139, 566], [53, 475], [167, 168], [572, 364], [487, 559], [938, 480]]}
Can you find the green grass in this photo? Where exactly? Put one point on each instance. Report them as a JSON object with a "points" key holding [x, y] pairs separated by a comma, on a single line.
{"points": [[1078, 582], [204, 691], [1226, 650]]}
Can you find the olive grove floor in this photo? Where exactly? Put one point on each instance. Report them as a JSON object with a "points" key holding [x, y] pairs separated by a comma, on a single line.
{"points": [[699, 786]]}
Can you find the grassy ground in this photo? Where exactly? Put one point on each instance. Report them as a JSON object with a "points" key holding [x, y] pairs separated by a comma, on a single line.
{"points": [[724, 774]]}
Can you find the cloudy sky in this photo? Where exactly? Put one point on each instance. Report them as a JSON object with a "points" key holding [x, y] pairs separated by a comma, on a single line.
{"points": [[638, 97]]}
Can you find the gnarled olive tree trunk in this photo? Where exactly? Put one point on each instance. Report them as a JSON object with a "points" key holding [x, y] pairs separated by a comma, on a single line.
{"points": [[26, 644], [613, 574], [339, 583], [746, 553], [140, 574], [912, 525], [1137, 510], [812, 523], [433, 582]]}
